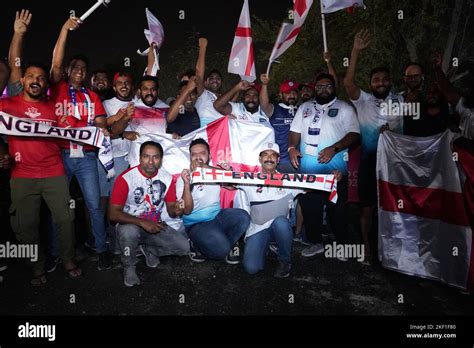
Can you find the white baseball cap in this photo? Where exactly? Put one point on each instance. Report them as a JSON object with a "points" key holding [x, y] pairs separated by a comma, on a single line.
{"points": [[270, 146]]}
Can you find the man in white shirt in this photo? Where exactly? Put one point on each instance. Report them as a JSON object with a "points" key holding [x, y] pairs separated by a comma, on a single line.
{"points": [[325, 129], [373, 113], [269, 209], [212, 230], [247, 110]]}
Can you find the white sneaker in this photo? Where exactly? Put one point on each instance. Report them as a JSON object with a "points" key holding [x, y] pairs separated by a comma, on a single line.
{"points": [[312, 250], [130, 277]]}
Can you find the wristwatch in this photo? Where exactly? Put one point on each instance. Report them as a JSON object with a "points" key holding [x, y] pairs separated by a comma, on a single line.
{"points": [[336, 149], [291, 147]]}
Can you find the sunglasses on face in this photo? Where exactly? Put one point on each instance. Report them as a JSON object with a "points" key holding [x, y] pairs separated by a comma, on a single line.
{"points": [[320, 88]]}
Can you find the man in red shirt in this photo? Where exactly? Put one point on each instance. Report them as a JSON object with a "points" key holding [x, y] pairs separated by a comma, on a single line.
{"points": [[138, 198], [80, 107], [38, 172]]}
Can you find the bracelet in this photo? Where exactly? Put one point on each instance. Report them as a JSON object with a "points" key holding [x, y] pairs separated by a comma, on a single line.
{"points": [[291, 147]]}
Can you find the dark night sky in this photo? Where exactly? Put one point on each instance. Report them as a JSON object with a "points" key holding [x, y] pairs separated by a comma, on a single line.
{"points": [[117, 31]]}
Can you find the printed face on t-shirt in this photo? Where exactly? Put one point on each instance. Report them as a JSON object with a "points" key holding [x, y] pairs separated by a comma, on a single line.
{"points": [[157, 192], [77, 71], [139, 195], [150, 160], [35, 82], [148, 92]]}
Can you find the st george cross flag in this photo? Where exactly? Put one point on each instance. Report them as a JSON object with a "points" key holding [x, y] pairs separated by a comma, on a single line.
{"points": [[156, 34], [289, 32], [330, 6], [424, 228], [229, 140], [241, 61]]}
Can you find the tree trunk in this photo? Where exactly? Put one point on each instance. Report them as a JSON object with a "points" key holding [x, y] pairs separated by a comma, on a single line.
{"points": [[453, 28]]}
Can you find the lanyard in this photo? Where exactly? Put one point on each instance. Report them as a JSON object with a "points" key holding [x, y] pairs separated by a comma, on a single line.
{"points": [[73, 96]]}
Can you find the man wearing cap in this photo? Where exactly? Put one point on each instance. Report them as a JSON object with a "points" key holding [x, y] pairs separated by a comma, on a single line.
{"points": [[269, 208], [326, 127], [247, 110], [281, 115]]}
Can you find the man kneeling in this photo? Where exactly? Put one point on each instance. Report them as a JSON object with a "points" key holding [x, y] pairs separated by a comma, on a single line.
{"points": [[136, 204]]}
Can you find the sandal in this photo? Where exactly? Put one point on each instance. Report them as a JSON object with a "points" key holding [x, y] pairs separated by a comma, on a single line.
{"points": [[39, 280], [74, 273]]}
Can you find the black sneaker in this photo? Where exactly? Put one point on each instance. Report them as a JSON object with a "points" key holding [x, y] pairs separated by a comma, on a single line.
{"points": [[283, 270], [52, 263], [104, 262], [233, 258]]}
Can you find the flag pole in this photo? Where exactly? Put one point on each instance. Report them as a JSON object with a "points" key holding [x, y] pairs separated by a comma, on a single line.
{"points": [[323, 24], [269, 65]]}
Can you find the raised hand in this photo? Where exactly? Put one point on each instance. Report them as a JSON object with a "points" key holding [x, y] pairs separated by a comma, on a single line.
{"points": [[22, 21], [361, 40], [327, 56], [72, 23], [264, 79]]}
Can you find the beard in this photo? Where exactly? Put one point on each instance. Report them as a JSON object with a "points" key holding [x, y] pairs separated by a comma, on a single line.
{"points": [[382, 95], [322, 100]]}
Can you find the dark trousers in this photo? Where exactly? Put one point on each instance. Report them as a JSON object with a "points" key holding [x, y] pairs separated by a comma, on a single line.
{"points": [[313, 204]]}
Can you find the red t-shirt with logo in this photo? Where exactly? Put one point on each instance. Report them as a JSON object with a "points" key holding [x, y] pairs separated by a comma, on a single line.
{"points": [[144, 196], [35, 157], [59, 93]]}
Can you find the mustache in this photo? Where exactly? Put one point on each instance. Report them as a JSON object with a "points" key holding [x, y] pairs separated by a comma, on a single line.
{"points": [[269, 162]]}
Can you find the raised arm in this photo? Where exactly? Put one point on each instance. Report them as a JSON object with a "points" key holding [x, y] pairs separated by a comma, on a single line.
{"points": [[20, 27], [59, 49], [449, 92], [222, 103], [201, 65], [361, 41], [265, 104], [327, 58], [4, 73], [187, 196], [151, 59], [178, 105]]}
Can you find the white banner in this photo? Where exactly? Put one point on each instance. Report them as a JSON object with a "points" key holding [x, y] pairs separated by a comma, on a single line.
{"points": [[301, 181], [24, 127]]}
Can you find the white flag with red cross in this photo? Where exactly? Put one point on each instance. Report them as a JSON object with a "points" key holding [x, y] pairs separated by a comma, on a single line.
{"points": [[242, 61]]}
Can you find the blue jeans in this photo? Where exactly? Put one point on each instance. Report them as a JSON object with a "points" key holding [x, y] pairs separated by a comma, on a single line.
{"points": [[256, 246], [106, 185], [85, 171], [214, 239]]}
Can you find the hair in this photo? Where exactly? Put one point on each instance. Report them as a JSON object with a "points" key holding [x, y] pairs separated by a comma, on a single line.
{"points": [[199, 141], [151, 143], [99, 71], [413, 63], [188, 73], [42, 66], [379, 69], [213, 71], [323, 75], [150, 78], [141, 189], [79, 57]]}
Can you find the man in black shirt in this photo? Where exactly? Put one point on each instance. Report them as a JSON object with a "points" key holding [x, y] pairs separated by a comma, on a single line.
{"points": [[182, 112]]}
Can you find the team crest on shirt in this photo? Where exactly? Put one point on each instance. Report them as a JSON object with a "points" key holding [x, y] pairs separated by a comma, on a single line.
{"points": [[333, 112], [306, 112], [32, 112]]}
